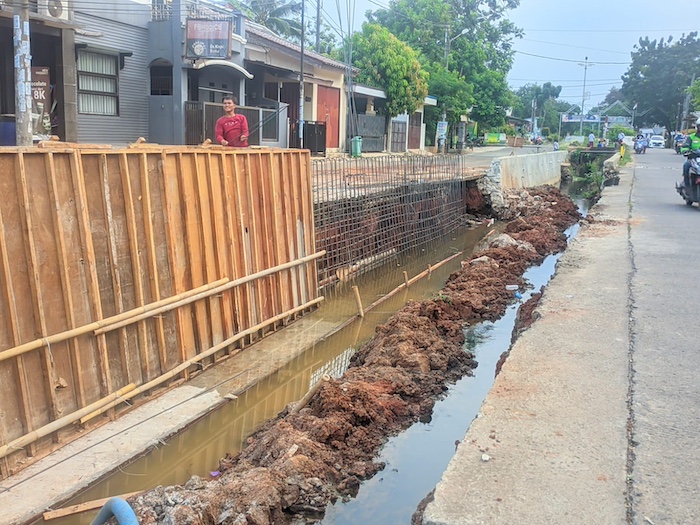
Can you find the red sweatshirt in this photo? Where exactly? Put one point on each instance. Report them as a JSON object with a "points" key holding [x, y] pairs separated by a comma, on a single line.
{"points": [[231, 129]]}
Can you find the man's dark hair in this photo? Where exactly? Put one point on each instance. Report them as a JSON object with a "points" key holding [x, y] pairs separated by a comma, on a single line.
{"points": [[231, 98]]}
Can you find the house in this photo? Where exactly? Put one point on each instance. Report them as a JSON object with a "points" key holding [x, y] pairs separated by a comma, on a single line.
{"points": [[53, 63]]}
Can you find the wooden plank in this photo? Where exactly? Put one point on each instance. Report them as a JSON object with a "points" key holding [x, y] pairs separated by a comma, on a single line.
{"points": [[203, 176], [292, 220], [288, 219], [95, 301], [176, 233], [282, 255], [220, 219], [309, 234], [137, 271], [152, 257], [82, 507], [115, 270], [253, 239], [20, 370], [36, 290], [77, 366], [270, 286], [244, 257], [233, 229], [193, 231]]}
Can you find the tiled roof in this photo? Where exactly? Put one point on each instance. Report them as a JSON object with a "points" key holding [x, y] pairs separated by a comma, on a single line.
{"points": [[261, 35]]}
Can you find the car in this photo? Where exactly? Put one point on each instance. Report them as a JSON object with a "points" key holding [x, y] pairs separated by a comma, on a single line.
{"points": [[657, 141]]}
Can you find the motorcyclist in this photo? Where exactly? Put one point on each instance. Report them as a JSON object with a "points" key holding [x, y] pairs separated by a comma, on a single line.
{"points": [[692, 143]]}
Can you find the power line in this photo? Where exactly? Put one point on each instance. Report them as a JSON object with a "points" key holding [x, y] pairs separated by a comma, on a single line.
{"points": [[577, 47], [571, 60]]}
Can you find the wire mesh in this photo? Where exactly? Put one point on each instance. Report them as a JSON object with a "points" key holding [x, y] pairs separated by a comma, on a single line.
{"points": [[369, 210]]}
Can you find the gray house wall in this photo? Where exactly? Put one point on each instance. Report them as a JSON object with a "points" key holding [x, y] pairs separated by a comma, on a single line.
{"points": [[114, 28]]}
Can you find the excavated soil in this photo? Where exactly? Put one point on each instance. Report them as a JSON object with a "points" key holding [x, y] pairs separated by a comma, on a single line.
{"points": [[298, 463]]}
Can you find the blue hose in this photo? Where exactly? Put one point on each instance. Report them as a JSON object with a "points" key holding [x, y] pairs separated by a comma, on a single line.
{"points": [[118, 508]]}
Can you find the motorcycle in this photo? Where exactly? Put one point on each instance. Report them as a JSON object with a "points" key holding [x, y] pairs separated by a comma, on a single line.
{"points": [[691, 194], [639, 146]]}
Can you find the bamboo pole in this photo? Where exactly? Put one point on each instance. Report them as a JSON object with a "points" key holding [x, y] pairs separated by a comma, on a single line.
{"points": [[310, 394], [217, 348], [358, 301], [58, 424], [75, 332], [405, 279], [82, 507], [230, 284]]}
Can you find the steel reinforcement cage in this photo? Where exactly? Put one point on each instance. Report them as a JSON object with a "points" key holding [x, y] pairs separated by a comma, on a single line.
{"points": [[369, 210]]}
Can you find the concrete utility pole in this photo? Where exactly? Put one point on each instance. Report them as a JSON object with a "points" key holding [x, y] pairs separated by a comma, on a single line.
{"points": [[23, 74], [585, 65]]}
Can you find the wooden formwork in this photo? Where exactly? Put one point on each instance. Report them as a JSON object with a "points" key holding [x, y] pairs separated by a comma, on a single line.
{"points": [[122, 268]]}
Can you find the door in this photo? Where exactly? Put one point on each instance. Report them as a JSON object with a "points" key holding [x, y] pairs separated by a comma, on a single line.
{"points": [[414, 130], [328, 111], [289, 94]]}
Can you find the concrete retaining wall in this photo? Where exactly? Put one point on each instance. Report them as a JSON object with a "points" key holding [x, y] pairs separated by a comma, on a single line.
{"points": [[521, 171]]}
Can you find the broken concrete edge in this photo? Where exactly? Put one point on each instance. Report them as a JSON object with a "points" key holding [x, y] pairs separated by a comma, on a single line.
{"points": [[74, 467]]}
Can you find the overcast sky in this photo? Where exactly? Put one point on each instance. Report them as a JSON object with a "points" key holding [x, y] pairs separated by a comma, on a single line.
{"points": [[563, 33]]}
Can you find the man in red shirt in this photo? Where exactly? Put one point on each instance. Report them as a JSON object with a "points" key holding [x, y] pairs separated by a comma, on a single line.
{"points": [[232, 129]]}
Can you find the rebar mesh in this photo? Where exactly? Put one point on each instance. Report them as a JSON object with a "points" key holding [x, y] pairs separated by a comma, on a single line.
{"points": [[371, 209]]}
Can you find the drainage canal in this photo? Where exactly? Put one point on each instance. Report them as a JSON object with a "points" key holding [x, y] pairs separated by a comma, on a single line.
{"points": [[415, 459]]}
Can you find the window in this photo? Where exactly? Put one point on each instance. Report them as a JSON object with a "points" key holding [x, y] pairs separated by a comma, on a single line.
{"points": [[161, 80], [97, 83]]}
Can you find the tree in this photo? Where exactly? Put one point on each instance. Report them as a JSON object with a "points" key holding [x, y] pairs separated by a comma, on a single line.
{"points": [[387, 63], [658, 77], [282, 18], [469, 37]]}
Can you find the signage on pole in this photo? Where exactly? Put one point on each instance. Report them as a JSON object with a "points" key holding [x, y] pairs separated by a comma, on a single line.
{"points": [[41, 103], [442, 129]]}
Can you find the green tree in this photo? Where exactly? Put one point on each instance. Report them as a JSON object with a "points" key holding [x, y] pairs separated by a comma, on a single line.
{"points": [[658, 77], [469, 37], [282, 18], [386, 62]]}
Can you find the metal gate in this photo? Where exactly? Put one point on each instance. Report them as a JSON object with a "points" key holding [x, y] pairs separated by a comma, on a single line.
{"points": [[398, 136]]}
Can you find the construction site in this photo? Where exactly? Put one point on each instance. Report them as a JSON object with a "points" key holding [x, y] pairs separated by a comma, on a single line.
{"points": [[147, 274]]}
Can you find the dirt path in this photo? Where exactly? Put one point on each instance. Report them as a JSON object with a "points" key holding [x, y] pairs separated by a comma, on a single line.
{"points": [[299, 462]]}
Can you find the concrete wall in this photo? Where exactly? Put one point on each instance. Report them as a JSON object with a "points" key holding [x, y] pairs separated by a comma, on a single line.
{"points": [[521, 171]]}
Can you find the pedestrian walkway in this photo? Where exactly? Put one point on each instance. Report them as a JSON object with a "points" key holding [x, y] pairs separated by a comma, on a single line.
{"points": [[593, 418]]}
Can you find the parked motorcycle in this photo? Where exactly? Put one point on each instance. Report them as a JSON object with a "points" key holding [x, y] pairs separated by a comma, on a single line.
{"points": [[691, 194]]}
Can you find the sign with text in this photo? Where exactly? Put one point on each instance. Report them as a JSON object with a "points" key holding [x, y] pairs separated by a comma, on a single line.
{"points": [[442, 129], [208, 38], [41, 103]]}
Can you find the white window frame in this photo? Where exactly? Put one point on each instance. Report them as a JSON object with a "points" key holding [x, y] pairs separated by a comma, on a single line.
{"points": [[103, 102]]}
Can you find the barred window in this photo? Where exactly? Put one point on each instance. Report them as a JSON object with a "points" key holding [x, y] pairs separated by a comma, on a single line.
{"points": [[98, 83]]}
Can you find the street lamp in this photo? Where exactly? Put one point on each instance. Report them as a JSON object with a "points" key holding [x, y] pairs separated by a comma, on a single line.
{"points": [[449, 40], [585, 65]]}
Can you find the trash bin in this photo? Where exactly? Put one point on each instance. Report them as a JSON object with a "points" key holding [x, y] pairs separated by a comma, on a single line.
{"points": [[356, 147], [8, 130]]}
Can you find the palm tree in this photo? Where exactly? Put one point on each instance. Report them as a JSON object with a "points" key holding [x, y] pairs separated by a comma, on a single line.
{"points": [[282, 18]]}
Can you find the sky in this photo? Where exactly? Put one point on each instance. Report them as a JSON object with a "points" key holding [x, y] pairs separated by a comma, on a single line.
{"points": [[559, 35]]}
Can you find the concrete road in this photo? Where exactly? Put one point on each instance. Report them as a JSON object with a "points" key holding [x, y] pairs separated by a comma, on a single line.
{"points": [[594, 417]]}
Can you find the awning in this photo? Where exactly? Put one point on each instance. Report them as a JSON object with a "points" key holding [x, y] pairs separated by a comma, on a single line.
{"points": [[199, 64]]}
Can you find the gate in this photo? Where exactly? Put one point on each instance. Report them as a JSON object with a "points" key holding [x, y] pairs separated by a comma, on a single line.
{"points": [[398, 136]]}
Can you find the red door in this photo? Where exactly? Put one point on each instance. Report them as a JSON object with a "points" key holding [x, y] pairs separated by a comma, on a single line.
{"points": [[328, 110]]}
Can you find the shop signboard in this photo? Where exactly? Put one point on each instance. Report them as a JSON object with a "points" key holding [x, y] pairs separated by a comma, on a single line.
{"points": [[208, 38]]}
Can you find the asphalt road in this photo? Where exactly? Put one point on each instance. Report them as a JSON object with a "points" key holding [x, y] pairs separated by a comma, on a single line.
{"points": [[594, 417]]}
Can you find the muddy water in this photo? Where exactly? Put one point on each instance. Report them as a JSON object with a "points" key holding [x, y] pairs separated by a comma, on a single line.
{"points": [[197, 450]]}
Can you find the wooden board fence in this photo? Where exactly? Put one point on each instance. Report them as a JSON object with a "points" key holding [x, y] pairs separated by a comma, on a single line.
{"points": [[120, 266]]}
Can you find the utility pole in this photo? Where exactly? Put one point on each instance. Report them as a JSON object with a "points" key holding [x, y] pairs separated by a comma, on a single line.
{"points": [[318, 26], [301, 83], [23, 74], [585, 65]]}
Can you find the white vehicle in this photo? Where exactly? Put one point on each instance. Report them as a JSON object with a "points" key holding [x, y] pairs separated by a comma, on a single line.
{"points": [[657, 141]]}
